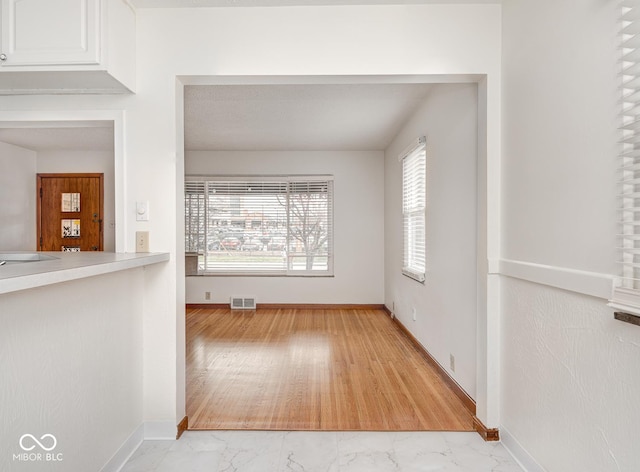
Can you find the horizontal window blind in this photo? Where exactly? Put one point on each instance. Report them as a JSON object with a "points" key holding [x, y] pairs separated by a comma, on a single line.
{"points": [[414, 177], [626, 295], [310, 224], [195, 216], [262, 225]]}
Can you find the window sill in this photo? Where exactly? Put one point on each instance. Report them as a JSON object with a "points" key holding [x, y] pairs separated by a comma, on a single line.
{"points": [[208, 274], [414, 276], [626, 300]]}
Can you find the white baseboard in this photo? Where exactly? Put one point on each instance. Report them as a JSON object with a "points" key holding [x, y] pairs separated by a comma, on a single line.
{"points": [[519, 453], [160, 430], [147, 430], [588, 283], [125, 451]]}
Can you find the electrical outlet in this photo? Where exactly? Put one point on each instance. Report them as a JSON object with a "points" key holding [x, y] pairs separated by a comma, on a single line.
{"points": [[413, 313], [452, 362], [207, 295], [142, 241]]}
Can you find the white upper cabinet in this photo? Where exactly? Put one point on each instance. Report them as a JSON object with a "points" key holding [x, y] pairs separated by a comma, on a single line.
{"points": [[47, 32], [67, 46]]}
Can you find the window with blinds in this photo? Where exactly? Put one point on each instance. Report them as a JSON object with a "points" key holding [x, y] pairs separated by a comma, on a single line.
{"points": [[260, 225], [414, 177], [626, 295]]}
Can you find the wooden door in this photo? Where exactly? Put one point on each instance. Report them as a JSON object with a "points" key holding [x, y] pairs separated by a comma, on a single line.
{"points": [[70, 209]]}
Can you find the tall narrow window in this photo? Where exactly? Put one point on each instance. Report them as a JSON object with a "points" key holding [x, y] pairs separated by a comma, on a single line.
{"points": [[266, 225], [414, 177], [626, 295]]}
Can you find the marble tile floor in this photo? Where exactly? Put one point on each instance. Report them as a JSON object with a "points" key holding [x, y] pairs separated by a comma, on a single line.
{"points": [[279, 451]]}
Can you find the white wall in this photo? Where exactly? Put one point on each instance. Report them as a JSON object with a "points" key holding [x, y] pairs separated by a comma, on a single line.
{"points": [[570, 380], [265, 42], [86, 161], [570, 376], [358, 219], [18, 197], [446, 303], [560, 133], [71, 363]]}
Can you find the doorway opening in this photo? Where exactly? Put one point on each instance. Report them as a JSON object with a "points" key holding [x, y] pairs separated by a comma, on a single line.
{"points": [[227, 160]]}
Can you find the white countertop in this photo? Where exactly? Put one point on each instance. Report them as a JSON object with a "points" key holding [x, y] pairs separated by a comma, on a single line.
{"points": [[70, 266]]}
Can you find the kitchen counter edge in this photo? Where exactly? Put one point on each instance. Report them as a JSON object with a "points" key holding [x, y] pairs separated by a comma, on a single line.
{"points": [[71, 266]]}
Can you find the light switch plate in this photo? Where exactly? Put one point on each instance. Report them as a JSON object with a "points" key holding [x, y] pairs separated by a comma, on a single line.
{"points": [[142, 241], [142, 211]]}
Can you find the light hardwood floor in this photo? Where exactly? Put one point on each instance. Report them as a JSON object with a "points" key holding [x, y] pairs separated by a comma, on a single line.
{"points": [[312, 369]]}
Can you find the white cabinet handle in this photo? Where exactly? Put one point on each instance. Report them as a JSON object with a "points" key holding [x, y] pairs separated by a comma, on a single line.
{"points": [[3, 57]]}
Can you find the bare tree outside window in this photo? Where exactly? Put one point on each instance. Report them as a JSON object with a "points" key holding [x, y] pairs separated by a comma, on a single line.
{"points": [[308, 222]]}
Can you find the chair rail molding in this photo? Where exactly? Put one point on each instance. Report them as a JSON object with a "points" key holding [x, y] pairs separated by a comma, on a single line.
{"points": [[594, 284]]}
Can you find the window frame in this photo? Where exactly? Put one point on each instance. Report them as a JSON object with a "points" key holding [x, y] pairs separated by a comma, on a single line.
{"points": [[414, 210], [289, 181], [626, 290]]}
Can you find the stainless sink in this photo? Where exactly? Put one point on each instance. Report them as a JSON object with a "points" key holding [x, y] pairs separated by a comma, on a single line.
{"points": [[21, 257]]}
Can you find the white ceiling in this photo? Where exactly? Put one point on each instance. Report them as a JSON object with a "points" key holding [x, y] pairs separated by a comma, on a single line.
{"points": [[262, 117], [297, 117], [257, 117], [280, 3], [56, 137]]}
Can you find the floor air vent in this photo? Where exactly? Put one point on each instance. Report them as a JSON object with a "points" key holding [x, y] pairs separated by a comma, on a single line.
{"points": [[243, 303]]}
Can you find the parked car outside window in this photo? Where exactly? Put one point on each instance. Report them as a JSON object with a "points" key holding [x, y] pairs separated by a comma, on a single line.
{"points": [[277, 244], [252, 245], [230, 243]]}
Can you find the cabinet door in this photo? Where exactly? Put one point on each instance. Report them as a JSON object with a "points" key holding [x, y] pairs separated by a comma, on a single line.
{"points": [[47, 32]]}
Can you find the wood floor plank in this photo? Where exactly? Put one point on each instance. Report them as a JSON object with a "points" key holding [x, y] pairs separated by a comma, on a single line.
{"points": [[312, 369]]}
